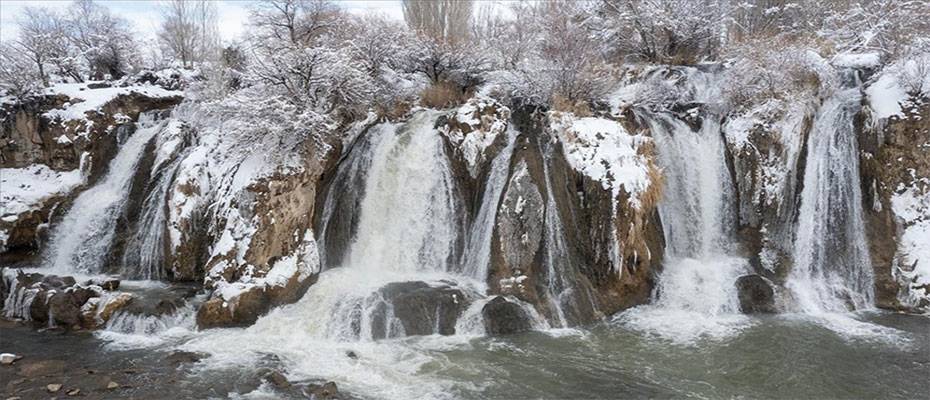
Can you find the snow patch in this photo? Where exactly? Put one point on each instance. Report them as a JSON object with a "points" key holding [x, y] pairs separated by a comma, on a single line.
{"points": [[605, 152], [84, 99], [23, 189]]}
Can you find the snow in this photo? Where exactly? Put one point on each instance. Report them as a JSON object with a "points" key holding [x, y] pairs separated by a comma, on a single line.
{"points": [[857, 60], [300, 264], [22, 189], [84, 99], [605, 152], [483, 129], [911, 205], [885, 96]]}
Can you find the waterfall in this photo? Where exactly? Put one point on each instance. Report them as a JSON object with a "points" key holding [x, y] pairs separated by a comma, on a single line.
{"points": [[696, 294], [832, 269], [407, 229], [81, 242], [566, 297], [145, 251], [477, 256]]}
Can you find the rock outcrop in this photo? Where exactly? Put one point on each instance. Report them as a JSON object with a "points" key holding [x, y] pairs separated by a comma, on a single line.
{"points": [[895, 173]]}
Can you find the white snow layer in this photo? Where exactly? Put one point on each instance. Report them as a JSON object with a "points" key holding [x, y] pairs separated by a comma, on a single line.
{"points": [[483, 129], [885, 96], [604, 151], [23, 189], [912, 206], [84, 99]]}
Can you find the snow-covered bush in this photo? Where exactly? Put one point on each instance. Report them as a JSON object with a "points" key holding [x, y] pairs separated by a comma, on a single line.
{"points": [[758, 72]]}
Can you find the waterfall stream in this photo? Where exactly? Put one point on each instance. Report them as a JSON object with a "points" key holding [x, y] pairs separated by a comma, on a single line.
{"points": [[832, 270], [695, 295], [82, 241]]}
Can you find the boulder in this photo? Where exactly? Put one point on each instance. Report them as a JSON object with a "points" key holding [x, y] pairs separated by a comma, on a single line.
{"points": [[420, 307], [756, 294], [62, 307], [502, 317], [325, 391]]}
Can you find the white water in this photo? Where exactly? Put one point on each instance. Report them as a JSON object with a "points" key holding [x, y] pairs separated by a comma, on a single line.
{"points": [[81, 242], [145, 252], [477, 256], [696, 295], [832, 271]]}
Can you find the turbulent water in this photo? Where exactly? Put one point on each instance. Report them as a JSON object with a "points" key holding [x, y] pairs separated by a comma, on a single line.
{"points": [[81, 242], [832, 270]]}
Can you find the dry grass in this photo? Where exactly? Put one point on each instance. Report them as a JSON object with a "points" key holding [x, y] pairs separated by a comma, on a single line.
{"points": [[443, 95], [579, 108]]}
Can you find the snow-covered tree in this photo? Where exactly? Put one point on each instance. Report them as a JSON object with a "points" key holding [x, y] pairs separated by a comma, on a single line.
{"points": [[104, 41], [665, 31]]}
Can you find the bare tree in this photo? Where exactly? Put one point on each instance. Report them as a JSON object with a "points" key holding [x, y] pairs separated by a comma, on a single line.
{"points": [[445, 20], [39, 41], [293, 22], [188, 30]]}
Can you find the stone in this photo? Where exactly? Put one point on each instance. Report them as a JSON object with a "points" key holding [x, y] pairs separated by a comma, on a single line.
{"points": [[113, 305], [422, 308], [53, 387], [74, 392], [756, 294], [112, 385], [7, 358], [328, 390], [57, 282], [62, 308], [502, 317], [276, 378], [184, 357], [110, 284]]}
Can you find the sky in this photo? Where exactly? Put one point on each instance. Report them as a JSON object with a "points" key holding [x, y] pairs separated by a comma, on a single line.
{"points": [[145, 15]]}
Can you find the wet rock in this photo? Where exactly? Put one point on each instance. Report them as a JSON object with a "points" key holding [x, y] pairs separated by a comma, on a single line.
{"points": [[421, 308], [351, 354], [502, 317], [325, 391], [8, 358], [57, 282], [756, 294], [115, 304], [276, 378], [184, 357], [64, 310]]}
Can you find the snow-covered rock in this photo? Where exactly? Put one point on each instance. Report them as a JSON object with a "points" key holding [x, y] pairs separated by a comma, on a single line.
{"points": [[605, 152]]}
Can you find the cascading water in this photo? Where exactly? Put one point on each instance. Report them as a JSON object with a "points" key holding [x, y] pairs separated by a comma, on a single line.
{"points": [[146, 249], [696, 294], [565, 296], [477, 256], [81, 242], [832, 270]]}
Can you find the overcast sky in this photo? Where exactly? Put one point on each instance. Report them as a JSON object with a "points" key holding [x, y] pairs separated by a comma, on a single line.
{"points": [[144, 14]]}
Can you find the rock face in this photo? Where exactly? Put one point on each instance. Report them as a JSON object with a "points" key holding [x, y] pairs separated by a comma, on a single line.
{"points": [[421, 308], [766, 148], [756, 294], [502, 317], [895, 175]]}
